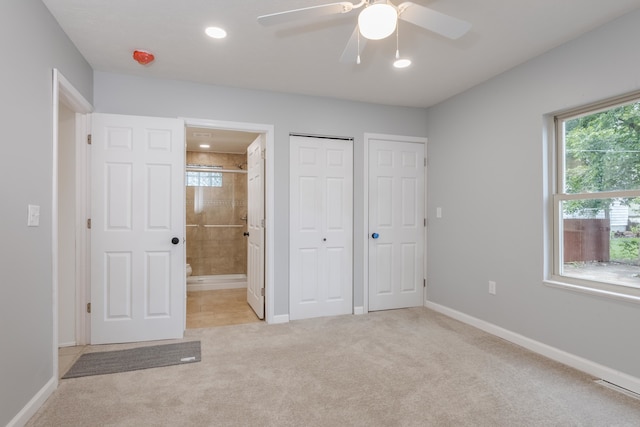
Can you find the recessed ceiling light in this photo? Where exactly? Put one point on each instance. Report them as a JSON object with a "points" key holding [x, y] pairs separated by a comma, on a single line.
{"points": [[401, 63], [215, 32], [205, 146]]}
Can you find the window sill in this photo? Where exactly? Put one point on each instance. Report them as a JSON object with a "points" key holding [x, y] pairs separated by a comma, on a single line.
{"points": [[620, 293]]}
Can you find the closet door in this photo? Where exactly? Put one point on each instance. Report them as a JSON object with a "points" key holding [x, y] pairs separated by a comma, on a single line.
{"points": [[321, 227]]}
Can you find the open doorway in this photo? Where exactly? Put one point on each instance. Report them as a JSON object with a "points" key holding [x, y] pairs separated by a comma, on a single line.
{"points": [[225, 223], [69, 210], [216, 212]]}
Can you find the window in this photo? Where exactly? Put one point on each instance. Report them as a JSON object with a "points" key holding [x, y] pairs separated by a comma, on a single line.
{"points": [[596, 203], [204, 178]]}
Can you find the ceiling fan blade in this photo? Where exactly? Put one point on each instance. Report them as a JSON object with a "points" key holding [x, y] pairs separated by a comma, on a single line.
{"points": [[305, 13], [351, 52], [432, 20]]}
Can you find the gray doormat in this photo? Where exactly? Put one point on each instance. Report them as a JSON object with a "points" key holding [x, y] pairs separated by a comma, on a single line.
{"points": [[109, 362]]}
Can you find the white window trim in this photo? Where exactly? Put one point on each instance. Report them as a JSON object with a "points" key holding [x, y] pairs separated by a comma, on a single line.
{"points": [[552, 277]]}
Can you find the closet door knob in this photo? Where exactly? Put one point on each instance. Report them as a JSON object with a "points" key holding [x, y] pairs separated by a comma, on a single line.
{"points": [[375, 235], [175, 240], [245, 234]]}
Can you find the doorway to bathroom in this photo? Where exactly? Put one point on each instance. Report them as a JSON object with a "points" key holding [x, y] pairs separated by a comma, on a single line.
{"points": [[220, 207]]}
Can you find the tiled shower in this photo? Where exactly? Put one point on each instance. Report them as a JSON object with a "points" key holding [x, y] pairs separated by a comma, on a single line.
{"points": [[216, 214]]}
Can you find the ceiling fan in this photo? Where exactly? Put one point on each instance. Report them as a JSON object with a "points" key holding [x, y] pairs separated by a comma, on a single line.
{"points": [[378, 20]]}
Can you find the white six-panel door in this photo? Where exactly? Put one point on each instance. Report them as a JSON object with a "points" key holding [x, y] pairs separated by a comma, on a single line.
{"points": [[321, 227], [255, 226], [396, 224], [137, 194]]}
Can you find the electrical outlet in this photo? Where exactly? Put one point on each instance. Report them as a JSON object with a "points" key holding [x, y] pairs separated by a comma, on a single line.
{"points": [[492, 287]]}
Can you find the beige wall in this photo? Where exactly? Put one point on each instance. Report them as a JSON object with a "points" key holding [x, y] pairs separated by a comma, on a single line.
{"points": [[217, 250]]}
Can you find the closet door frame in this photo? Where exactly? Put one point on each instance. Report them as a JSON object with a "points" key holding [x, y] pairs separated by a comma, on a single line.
{"points": [[320, 226]]}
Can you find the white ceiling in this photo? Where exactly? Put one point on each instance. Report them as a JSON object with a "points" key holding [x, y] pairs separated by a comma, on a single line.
{"points": [[219, 141], [303, 57]]}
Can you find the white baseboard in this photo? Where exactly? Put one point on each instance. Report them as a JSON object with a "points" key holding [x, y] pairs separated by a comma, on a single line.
{"points": [[600, 371], [358, 310], [67, 344], [280, 318], [34, 404]]}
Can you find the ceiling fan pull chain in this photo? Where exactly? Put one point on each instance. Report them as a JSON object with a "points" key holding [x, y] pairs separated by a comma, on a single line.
{"points": [[397, 42], [358, 58]]}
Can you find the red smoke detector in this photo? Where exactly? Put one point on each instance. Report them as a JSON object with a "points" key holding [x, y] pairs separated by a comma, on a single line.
{"points": [[143, 57]]}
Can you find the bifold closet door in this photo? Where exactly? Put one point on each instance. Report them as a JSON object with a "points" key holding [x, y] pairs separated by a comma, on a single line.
{"points": [[321, 227]]}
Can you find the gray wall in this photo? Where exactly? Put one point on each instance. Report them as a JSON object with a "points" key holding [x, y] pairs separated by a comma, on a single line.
{"points": [[487, 170], [288, 113], [31, 45]]}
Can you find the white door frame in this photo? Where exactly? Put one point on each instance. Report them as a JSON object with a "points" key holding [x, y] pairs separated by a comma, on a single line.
{"points": [[365, 267], [322, 305], [268, 131], [65, 93]]}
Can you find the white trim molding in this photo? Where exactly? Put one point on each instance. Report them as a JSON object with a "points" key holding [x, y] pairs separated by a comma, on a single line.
{"points": [[599, 371], [269, 136], [34, 404], [365, 195], [64, 93], [280, 318]]}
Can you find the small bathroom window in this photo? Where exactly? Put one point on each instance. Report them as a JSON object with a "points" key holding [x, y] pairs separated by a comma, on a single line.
{"points": [[204, 178]]}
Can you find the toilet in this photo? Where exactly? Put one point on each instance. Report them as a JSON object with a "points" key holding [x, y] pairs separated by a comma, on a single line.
{"points": [[189, 270]]}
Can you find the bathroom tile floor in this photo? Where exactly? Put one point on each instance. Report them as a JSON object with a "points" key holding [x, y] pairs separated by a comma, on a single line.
{"points": [[67, 356], [206, 309]]}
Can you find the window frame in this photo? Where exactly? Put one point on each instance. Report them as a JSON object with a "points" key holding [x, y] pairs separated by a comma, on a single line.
{"points": [[558, 196], [213, 171]]}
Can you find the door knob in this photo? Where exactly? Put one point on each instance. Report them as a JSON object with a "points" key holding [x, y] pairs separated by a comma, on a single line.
{"points": [[375, 235], [175, 240], [324, 240], [245, 234]]}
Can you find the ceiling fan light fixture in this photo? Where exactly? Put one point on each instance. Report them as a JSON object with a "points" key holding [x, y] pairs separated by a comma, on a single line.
{"points": [[402, 63], [215, 32], [378, 21]]}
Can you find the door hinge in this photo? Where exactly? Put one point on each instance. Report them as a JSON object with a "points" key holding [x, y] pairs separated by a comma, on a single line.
{"points": [[89, 139], [425, 161], [262, 223], [425, 222], [262, 292], [263, 154], [89, 307], [424, 283], [89, 223]]}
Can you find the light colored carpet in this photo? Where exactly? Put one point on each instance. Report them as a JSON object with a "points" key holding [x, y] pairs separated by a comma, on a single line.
{"points": [[410, 367]]}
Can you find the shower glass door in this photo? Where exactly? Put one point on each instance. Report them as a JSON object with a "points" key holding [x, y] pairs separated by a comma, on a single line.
{"points": [[216, 215]]}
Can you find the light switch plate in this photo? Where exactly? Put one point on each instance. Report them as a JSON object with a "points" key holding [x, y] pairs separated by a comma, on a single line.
{"points": [[33, 218]]}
